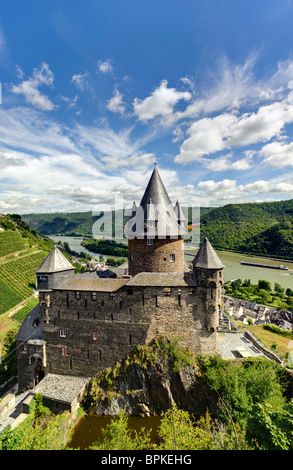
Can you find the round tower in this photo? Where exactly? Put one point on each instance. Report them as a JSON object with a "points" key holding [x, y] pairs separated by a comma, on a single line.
{"points": [[208, 271], [156, 232]]}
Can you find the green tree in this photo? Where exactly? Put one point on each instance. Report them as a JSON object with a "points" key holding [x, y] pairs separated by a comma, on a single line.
{"points": [[264, 295], [263, 284], [271, 428]]}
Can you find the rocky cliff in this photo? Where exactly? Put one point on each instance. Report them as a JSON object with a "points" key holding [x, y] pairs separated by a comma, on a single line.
{"points": [[148, 381]]}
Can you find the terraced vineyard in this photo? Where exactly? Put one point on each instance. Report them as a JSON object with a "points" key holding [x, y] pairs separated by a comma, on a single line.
{"points": [[11, 242], [8, 298], [17, 278]]}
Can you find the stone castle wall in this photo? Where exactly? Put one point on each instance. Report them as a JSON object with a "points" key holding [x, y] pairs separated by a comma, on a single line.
{"points": [[99, 330], [164, 255]]}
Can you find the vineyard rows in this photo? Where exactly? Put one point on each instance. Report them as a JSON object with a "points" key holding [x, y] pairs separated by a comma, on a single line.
{"points": [[10, 242], [18, 278], [8, 298]]}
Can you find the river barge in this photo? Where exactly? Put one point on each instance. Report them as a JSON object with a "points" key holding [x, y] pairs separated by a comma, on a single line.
{"points": [[260, 265]]}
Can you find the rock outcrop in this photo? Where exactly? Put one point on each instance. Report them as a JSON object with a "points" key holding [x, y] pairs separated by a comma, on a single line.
{"points": [[149, 381]]}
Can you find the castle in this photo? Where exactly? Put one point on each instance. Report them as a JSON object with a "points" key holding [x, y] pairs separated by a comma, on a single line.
{"points": [[84, 323]]}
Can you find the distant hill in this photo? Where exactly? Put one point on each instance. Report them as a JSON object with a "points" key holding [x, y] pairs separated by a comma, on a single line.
{"points": [[75, 224], [22, 250], [264, 229]]}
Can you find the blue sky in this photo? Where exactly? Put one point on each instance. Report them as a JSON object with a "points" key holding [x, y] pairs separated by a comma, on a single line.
{"points": [[95, 92]]}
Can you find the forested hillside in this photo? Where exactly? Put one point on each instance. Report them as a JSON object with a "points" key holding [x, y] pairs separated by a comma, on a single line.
{"points": [[22, 250], [264, 229], [257, 228]]}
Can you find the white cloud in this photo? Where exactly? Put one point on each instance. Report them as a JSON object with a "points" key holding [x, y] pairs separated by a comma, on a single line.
{"points": [[105, 67], [232, 86], [206, 136], [224, 163], [209, 135], [29, 88], [116, 104], [80, 80], [71, 102], [277, 154], [161, 102], [228, 191], [136, 160]]}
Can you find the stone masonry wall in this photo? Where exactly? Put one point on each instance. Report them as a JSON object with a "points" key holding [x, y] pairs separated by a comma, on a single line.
{"points": [[156, 257], [86, 335]]}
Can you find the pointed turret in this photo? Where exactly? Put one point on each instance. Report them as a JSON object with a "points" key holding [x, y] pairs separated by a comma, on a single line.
{"points": [[54, 267], [54, 262], [155, 192], [206, 257], [155, 234]]}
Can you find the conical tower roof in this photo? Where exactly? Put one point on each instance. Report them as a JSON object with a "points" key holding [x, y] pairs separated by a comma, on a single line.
{"points": [[54, 262], [206, 257], [155, 192]]}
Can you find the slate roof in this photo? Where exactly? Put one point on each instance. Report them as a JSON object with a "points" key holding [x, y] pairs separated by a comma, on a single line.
{"points": [[162, 279], [54, 262], [61, 388], [31, 327], [206, 257], [83, 283], [156, 206]]}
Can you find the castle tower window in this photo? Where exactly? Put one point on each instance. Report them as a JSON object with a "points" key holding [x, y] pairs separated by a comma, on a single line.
{"points": [[172, 258], [88, 353], [130, 340], [94, 336], [94, 296], [58, 313], [131, 256], [77, 295], [179, 300], [24, 347], [149, 242], [100, 355], [62, 333], [63, 351], [67, 300], [112, 296], [70, 363]]}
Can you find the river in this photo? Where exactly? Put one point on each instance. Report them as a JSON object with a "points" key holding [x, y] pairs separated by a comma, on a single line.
{"points": [[89, 429], [233, 269]]}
